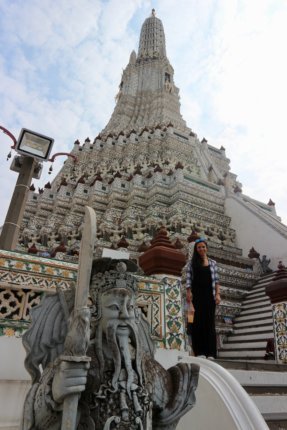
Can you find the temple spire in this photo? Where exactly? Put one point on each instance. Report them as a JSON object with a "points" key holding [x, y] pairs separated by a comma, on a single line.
{"points": [[152, 38], [147, 95]]}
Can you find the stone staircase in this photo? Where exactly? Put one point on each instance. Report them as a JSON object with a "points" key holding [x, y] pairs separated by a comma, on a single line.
{"points": [[252, 327], [266, 383], [243, 355]]}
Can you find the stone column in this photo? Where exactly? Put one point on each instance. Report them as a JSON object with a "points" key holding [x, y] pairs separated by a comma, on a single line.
{"points": [[277, 291], [11, 228]]}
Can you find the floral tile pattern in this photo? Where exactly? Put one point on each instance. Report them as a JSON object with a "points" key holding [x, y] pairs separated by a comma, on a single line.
{"points": [[280, 330]]}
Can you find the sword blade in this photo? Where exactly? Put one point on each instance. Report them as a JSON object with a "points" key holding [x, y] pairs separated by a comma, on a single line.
{"points": [[86, 258]]}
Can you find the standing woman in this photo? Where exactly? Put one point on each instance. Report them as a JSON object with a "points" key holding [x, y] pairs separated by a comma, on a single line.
{"points": [[202, 296]]}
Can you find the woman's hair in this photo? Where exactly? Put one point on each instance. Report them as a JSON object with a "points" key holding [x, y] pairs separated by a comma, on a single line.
{"points": [[196, 259]]}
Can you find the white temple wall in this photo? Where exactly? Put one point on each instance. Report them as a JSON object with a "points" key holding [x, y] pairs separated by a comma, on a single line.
{"points": [[14, 382], [253, 231]]}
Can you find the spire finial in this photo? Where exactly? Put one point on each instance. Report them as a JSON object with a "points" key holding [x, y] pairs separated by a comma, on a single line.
{"points": [[153, 12]]}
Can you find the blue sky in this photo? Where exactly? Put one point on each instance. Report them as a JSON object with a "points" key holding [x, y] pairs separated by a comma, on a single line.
{"points": [[61, 64]]}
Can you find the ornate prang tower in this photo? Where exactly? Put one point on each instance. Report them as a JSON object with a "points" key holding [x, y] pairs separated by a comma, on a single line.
{"points": [[146, 170], [147, 94]]}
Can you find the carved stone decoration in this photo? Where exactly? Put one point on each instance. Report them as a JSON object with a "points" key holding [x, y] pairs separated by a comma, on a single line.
{"points": [[253, 253], [264, 262], [122, 387]]}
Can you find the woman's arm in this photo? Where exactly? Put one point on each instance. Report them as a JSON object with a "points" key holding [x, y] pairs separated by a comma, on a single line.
{"points": [[217, 294], [217, 286], [188, 286], [188, 275], [190, 307]]}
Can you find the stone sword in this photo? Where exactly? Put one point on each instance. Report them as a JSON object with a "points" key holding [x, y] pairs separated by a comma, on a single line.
{"points": [[78, 336]]}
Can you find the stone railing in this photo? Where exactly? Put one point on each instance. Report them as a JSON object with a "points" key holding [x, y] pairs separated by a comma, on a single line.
{"points": [[23, 280]]}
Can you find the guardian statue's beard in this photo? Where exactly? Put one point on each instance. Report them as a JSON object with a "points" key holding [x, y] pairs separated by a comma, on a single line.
{"points": [[122, 339]]}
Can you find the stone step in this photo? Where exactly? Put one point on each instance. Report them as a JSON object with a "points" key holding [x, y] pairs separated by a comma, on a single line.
{"points": [[244, 355], [255, 294], [257, 316], [267, 328], [265, 322], [266, 278], [256, 310], [272, 407], [276, 424], [263, 379], [251, 330], [245, 345], [263, 281], [258, 287], [266, 383], [256, 306], [268, 390], [249, 304], [249, 336], [262, 365], [259, 322], [263, 303], [255, 299]]}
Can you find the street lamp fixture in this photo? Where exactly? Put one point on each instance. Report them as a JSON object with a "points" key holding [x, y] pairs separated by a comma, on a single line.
{"points": [[34, 145], [33, 149]]}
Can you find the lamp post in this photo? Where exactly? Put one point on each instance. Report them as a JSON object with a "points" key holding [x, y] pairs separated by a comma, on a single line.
{"points": [[33, 149]]}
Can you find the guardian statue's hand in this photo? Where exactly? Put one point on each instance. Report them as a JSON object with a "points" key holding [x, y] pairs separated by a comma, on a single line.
{"points": [[70, 378]]}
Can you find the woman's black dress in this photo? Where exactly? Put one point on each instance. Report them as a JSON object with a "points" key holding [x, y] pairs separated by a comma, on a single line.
{"points": [[203, 333]]}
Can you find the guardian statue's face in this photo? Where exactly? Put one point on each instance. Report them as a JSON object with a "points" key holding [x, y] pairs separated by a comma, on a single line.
{"points": [[118, 308]]}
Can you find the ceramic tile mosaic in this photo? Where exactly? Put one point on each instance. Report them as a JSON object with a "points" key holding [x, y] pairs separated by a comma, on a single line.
{"points": [[174, 328], [280, 330]]}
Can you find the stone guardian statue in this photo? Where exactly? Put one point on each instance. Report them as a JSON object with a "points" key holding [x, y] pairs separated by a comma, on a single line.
{"points": [[97, 362]]}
